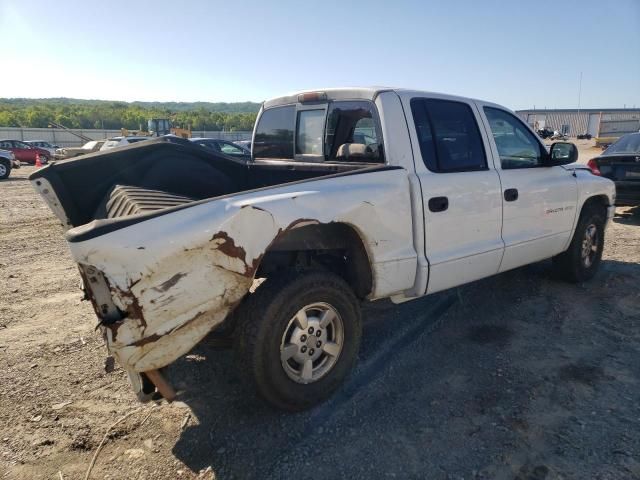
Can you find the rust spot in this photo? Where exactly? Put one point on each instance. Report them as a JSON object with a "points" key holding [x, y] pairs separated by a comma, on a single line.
{"points": [[145, 340], [114, 328], [229, 247], [134, 309], [164, 286]]}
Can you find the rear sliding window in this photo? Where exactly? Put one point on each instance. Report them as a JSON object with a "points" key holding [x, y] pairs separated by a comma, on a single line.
{"points": [[274, 133], [448, 135], [309, 132]]}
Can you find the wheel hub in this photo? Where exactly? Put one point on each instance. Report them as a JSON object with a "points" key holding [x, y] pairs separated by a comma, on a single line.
{"points": [[589, 245], [311, 343]]}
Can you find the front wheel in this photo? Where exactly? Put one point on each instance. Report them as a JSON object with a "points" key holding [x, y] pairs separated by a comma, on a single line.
{"points": [[581, 260], [298, 337]]}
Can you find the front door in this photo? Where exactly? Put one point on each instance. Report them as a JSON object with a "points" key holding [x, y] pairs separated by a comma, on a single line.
{"points": [[539, 202], [460, 190]]}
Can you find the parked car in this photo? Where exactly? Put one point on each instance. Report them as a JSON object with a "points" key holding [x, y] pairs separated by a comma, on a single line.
{"points": [[620, 162], [49, 147], [70, 152], [121, 141], [168, 254], [8, 162], [223, 146], [24, 152], [246, 144]]}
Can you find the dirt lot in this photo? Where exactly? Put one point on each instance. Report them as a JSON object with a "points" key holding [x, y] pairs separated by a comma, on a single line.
{"points": [[519, 376]]}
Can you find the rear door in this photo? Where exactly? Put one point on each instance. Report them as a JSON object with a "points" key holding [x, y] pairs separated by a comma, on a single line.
{"points": [[461, 194], [539, 202]]}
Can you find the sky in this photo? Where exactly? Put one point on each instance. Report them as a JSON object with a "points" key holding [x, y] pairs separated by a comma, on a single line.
{"points": [[514, 52]]}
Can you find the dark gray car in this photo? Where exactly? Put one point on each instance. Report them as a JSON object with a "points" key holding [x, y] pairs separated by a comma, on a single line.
{"points": [[223, 146]]}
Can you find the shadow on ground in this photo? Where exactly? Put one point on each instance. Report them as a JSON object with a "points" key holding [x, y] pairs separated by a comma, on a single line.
{"points": [[629, 216], [423, 401]]}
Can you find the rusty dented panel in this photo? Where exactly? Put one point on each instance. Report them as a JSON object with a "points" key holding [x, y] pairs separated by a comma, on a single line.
{"points": [[177, 276], [172, 304]]}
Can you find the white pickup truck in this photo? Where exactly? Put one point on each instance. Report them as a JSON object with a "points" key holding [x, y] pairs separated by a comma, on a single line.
{"points": [[351, 194]]}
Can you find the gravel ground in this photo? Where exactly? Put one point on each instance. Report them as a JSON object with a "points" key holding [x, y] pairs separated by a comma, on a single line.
{"points": [[519, 376]]}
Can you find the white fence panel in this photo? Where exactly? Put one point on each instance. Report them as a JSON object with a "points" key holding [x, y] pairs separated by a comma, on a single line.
{"points": [[65, 138]]}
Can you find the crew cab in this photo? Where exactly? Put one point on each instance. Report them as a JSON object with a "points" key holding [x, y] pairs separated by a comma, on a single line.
{"points": [[351, 195]]}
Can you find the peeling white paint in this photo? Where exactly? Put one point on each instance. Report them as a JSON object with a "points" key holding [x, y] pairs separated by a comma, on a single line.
{"points": [[179, 275]]}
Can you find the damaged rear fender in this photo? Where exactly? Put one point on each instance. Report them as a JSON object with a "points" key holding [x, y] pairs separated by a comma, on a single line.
{"points": [[169, 303]]}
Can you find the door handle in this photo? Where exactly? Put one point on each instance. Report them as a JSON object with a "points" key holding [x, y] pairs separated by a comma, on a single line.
{"points": [[438, 204], [511, 194]]}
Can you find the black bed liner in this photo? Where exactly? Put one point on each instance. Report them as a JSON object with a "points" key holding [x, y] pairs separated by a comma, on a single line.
{"points": [[125, 200]]}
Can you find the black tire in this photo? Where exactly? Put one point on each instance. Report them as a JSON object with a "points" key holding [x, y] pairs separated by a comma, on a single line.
{"points": [[265, 317], [571, 265], [5, 169]]}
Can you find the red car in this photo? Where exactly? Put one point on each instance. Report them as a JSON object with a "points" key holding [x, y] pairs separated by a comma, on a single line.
{"points": [[24, 152]]}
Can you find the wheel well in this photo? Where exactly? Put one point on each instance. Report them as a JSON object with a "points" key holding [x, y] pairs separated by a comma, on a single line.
{"points": [[600, 202], [334, 246]]}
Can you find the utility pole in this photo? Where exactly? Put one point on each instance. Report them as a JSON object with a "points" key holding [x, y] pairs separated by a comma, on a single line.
{"points": [[579, 92], [579, 95]]}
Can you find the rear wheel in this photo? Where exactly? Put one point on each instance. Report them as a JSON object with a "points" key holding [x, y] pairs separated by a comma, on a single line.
{"points": [[5, 170], [581, 260], [298, 338]]}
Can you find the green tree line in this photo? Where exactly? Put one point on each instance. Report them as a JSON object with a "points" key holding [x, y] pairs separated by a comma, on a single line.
{"points": [[39, 113]]}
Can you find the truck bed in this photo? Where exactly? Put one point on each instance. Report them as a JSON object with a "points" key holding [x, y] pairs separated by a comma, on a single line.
{"points": [[160, 174]]}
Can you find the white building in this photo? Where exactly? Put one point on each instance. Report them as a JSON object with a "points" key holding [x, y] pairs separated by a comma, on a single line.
{"points": [[598, 122]]}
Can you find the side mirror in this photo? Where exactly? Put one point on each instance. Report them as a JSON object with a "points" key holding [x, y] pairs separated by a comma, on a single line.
{"points": [[562, 153]]}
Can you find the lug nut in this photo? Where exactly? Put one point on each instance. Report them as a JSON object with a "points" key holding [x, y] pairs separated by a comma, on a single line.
{"points": [[310, 330], [303, 349], [318, 333], [303, 338], [311, 351], [318, 344]]}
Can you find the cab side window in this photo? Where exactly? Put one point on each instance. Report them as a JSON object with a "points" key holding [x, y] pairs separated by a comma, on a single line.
{"points": [[352, 133], [517, 146], [448, 135]]}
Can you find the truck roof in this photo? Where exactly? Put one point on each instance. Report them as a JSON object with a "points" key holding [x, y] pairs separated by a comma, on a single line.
{"points": [[353, 93]]}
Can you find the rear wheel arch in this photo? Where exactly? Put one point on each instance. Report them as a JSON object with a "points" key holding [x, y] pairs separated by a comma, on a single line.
{"points": [[335, 246]]}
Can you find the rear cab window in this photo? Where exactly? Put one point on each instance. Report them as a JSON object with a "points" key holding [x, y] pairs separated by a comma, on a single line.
{"points": [[335, 131], [448, 134]]}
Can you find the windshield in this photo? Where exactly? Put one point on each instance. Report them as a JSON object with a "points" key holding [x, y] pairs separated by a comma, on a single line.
{"points": [[627, 144], [89, 145]]}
